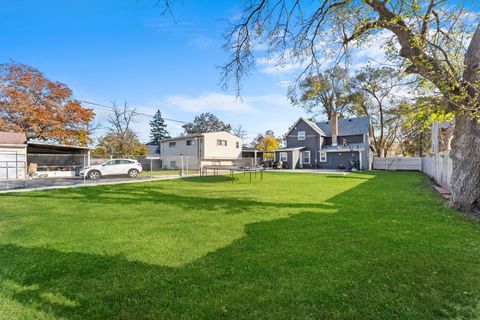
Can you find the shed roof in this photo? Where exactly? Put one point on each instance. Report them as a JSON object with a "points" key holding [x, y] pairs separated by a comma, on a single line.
{"points": [[353, 146], [289, 149], [51, 148], [12, 138]]}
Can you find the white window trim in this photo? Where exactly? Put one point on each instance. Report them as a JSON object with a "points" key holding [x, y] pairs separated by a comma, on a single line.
{"points": [[283, 153], [222, 143], [323, 156], [309, 157], [301, 135]]}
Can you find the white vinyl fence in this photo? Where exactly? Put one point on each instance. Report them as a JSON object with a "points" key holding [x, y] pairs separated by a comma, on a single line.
{"points": [[397, 163], [439, 167]]}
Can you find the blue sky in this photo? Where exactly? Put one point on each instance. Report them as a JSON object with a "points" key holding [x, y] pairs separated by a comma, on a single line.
{"points": [[125, 50]]}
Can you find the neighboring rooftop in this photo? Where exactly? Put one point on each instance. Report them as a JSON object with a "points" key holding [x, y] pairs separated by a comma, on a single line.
{"points": [[12, 138], [346, 127]]}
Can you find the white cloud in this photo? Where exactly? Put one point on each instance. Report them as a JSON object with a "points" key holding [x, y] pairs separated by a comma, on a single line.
{"points": [[291, 62], [202, 41], [209, 102], [285, 83]]}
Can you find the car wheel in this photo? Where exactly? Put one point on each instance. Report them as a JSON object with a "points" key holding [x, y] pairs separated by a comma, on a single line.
{"points": [[133, 173], [94, 175]]}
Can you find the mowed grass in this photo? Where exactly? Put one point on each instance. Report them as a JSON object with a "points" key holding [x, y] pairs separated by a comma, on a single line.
{"points": [[295, 246]]}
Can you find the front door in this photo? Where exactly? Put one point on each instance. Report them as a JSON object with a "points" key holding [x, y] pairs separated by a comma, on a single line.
{"points": [[301, 159]]}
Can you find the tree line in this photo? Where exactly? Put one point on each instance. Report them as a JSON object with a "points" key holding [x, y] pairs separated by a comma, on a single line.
{"points": [[392, 102], [45, 110]]}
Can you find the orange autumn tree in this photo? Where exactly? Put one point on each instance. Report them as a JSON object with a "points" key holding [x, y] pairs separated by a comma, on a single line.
{"points": [[43, 109]]}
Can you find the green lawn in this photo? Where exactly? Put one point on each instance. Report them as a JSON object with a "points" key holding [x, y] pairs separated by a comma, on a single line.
{"points": [[295, 246], [166, 172]]}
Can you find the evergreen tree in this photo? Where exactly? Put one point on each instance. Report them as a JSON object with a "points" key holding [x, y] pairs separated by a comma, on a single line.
{"points": [[158, 129]]}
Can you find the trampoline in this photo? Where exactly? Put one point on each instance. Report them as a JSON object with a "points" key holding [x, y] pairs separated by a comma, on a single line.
{"points": [[252, 171]]}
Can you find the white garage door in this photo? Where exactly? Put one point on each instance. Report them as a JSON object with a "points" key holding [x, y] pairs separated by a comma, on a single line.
{"points": [[10, 166]]}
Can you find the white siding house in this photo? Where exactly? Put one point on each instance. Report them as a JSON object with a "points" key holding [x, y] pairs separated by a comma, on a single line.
{"points": [[200, 149]]}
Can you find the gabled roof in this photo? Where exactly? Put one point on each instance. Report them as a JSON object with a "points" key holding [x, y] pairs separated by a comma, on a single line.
{"points": [[13, 138], [311, 124], [347, 127]]}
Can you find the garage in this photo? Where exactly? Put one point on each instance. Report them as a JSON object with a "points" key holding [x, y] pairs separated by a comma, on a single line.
{"points": [[13, 156]]}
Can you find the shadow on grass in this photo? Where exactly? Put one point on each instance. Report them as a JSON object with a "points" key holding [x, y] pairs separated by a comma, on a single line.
{"points": [[158, 194], [355, 264], [210, 179]]}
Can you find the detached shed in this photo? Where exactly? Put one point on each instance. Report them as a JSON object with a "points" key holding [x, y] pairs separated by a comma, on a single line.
{"points": [[13, 156]]}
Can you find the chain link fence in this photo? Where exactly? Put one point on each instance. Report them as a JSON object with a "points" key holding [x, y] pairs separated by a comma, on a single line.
{"points": [[35, 170], [45, 170]]}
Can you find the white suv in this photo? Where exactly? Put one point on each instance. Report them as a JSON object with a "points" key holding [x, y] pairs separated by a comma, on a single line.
{"points": [[113, 167]]}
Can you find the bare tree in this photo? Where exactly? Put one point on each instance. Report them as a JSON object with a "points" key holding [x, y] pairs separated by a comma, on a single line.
{"points": [[240, 132], [381, 89], [120, 138], [425, 37]]}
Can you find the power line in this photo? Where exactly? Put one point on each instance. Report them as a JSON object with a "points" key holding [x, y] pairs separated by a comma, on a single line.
{"points": [[108, 108], [104, 107]]}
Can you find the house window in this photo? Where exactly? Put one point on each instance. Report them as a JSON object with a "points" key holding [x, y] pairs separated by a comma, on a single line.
{"points": [[284, 156], [189, 142], [238, 145], [221, 142], [323, 157], [306, 157], [301, 135], [172, 144]]}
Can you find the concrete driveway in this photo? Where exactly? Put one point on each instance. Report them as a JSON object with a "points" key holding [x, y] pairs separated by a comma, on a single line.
{"points": [[52, 183]]}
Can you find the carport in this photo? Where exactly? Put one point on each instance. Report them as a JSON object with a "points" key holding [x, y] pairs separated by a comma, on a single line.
{"points": [[57, 160]]}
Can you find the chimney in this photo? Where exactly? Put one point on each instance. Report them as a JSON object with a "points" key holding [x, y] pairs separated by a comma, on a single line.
{"points": [[334, 121]]}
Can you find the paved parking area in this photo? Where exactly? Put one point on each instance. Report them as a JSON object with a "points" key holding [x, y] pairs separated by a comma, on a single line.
{"points": [[51, 183]]}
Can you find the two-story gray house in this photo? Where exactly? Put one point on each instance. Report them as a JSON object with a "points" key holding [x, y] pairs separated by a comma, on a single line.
{"points": [[329, 144]]}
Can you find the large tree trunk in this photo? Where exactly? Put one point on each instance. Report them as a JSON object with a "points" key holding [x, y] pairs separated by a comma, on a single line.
{"points": [[465, 152], [465, 156]]}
